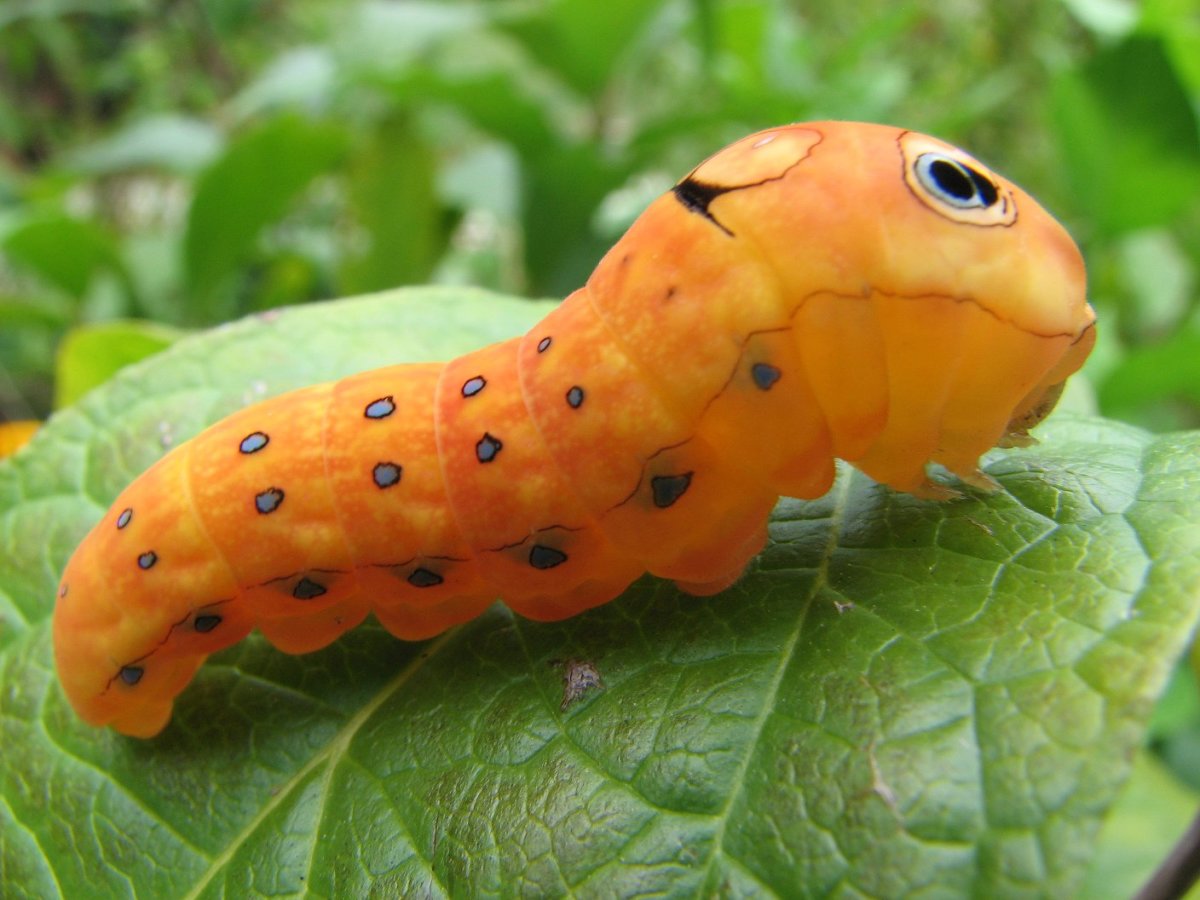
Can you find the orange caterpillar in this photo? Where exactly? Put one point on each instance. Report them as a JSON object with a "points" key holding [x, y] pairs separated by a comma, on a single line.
{"points": [[810, 292]]}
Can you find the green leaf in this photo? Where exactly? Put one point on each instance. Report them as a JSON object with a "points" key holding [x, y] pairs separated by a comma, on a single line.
{"points": [[67, 253], [393, 198], [1130, 136], [1151, 814], [173, 143], [89, 355], [900, 697], [249, 187], [581, 40]]}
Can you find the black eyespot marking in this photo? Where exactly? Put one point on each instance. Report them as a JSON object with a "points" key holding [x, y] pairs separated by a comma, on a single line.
{"points": [[955, 183], [545, 557], [669, 488], [206, 623], [423, 578], [543, 345], [764, 375], [124, 517], [575, 397], [487, 448], [307, 589], [986, 189], [386, 474], [473, 386], [253, 442], [147, 559], [268, 501], [131, 675], [381, 408]]}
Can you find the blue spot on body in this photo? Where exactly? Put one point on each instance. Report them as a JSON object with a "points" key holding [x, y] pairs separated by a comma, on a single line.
{"points": [[543, 345], [473, 386], [575, 397], [386, 474], [253, 442], [268, 501], [487, 448], [423, 578], [206, 623], [131, 675], [764, 375], [669, 488], [147, 559], [307, 589], [380, 409], [124, 517], [541, 557]]}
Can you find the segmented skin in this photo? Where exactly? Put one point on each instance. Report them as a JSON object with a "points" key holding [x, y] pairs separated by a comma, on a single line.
{"points": [[810, 292]]}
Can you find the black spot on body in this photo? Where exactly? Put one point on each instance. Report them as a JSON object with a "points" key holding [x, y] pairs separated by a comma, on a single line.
{"points": [[307, 589], [206, 623], [423, 578], [253, 442], [131, 675], [487, 448], [386, 474], [575, 397], [543, 345], [381, 408], [124, 517], [147, 559], [541, 557], [764, 375], [473, 386], [669, 488], [268, 501]]}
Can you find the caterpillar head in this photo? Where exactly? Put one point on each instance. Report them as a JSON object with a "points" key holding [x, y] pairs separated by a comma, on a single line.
{"points": [[963, 272]]}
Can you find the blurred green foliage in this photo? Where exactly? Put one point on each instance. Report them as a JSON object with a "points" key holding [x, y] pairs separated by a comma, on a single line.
{"points": [[169, 166]]}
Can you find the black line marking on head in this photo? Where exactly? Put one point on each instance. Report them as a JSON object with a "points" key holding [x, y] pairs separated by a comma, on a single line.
{"points": [[131, 675], [147, 559], [575, 397], [487, 448], [124, 517], [542, 557], [669, 488], [386, 474], [423, 578], [268, 501], [543, 344], [765, 375], [307, 589], [381, 408], [206, 622], [253, 442], [473, 386], [696, 196]]}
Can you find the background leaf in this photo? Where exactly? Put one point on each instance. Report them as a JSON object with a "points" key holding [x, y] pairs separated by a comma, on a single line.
{"points": [[901, 696], [250, 186], [1130, 136]]}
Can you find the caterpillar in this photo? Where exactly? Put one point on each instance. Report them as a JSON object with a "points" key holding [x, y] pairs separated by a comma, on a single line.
{"points": [[811, 292]]}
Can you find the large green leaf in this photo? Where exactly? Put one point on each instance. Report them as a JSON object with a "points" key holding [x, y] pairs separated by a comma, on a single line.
{"points": [[900, 697]]}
